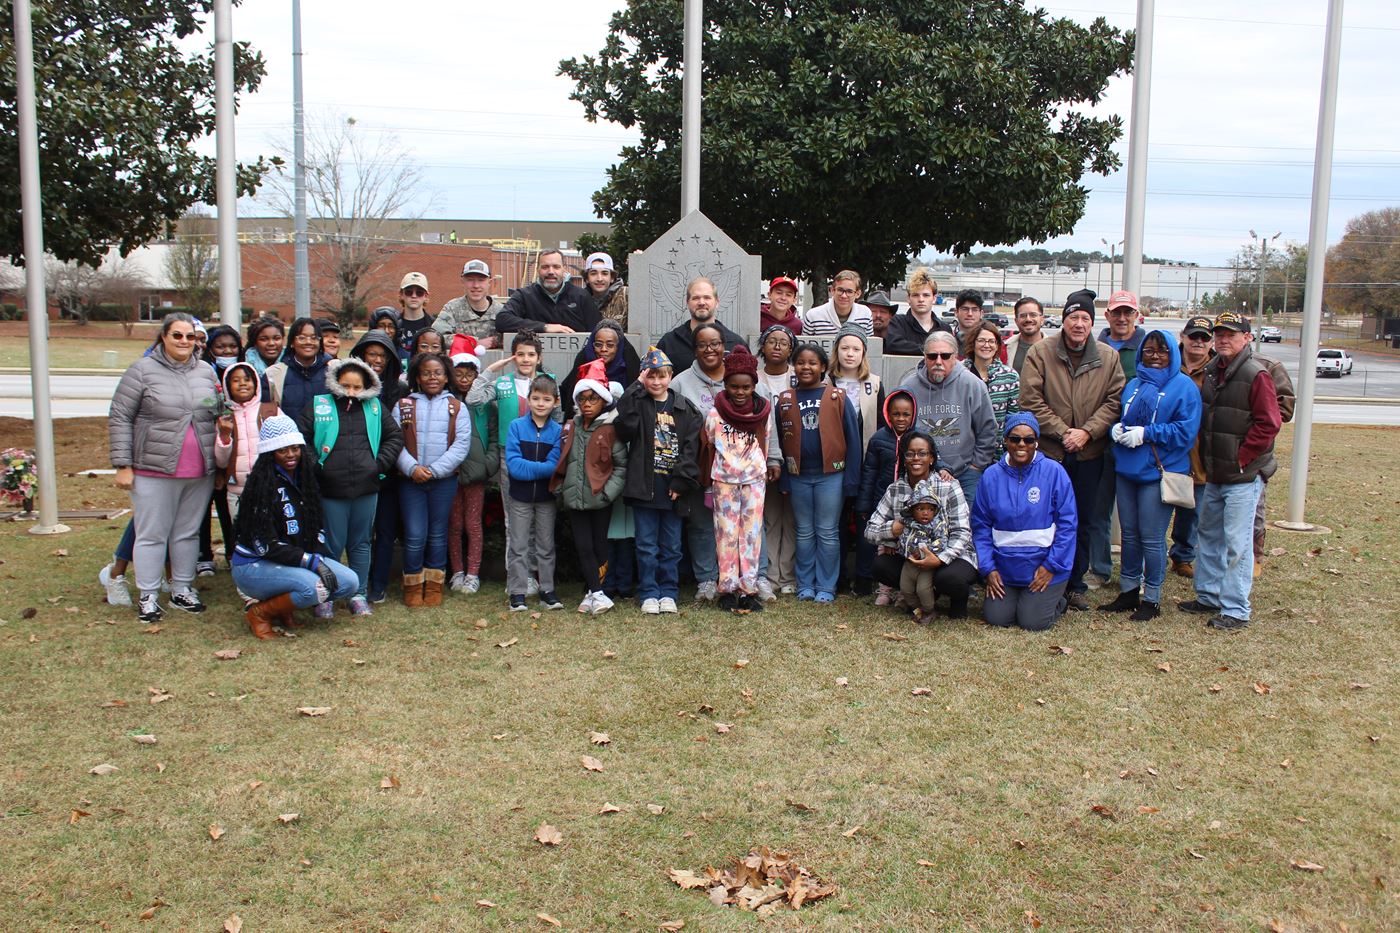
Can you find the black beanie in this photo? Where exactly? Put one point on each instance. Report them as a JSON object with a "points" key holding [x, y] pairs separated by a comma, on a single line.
{"points": [[1082, 300]]}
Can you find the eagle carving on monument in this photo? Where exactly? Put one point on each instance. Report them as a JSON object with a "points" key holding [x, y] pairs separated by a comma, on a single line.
{"points": [[667, 288]]}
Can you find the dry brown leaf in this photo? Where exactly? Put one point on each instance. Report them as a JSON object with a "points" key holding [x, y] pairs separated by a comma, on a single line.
{"points": [[103, 769], [852, 831], [75, 814], [479, 623], [159, 696], [29, 613], [1262, 688], [741, 663], [799, 805], [894, 636], [590, 763], [535, 615], [548, 919], [723, 727], [484, 904], [655, 809], [1216, 824], [234, 924], [497, 736], [150, 630], [144, 739], [389, 782], [350, 643], [921, 692], [671, 926], [160, 767], [609, 808], [113, 704], [1277, 551], [288, 818], [1060, 649], [1146, 809], [687, 879], [548, 835], [1215, 688], [1304, 865], [842, 682], [507, 644], [609, 654], [314, 710], [924, 863], [1360, 685], [228, 654], [1194, 854], [1165, 667], [1032, 919], [61, 552], [599, 738], [1104, 811], [1286, 763], [254, 785], [216, 832]]}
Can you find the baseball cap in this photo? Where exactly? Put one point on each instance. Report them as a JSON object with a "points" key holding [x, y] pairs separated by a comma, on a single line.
{"points": [[783, 280], [475, 267], [1198, 325], [602, 260], [414, 278], [328, 326], [1122, 299], [1231, 320]]}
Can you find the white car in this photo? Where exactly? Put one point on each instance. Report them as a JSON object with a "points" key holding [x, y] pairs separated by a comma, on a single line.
{"points": [[1334, 362]]}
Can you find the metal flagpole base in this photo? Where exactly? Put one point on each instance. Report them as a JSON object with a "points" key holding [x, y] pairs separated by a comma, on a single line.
{"points": [[49, 529], [1302, 528]]}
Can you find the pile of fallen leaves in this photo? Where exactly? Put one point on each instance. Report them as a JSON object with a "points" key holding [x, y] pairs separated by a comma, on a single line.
{"points": [[763, 881]]}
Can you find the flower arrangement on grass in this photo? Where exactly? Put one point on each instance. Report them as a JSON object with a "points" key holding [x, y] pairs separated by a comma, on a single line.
{"points": [[17, 476]]}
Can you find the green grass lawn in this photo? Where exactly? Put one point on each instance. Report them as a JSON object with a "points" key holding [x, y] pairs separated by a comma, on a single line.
{"points": [[76, 352], [1216, 760]]}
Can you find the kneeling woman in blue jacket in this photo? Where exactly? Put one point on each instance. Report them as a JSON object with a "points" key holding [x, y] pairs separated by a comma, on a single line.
{"points": [[1023, 526], [280, 556]]}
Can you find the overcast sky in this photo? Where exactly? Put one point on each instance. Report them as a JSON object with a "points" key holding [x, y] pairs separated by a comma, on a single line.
{"points": [[470, 89]]}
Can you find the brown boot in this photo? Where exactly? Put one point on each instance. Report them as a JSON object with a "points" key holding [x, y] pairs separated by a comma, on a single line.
{"points": [[432, 587], [262, 616], [1183, 568], [413, 590], [1258, 567]]}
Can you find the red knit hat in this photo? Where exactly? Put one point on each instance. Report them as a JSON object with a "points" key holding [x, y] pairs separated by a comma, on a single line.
{"points": [[740, 361]]}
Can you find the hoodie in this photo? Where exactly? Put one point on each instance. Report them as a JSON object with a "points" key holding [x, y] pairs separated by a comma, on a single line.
{"points": [[881, 464], [957, 413], [386, 313], [1167, 403], [390, 387], [356, 441], [792, 322], [236, 456]]}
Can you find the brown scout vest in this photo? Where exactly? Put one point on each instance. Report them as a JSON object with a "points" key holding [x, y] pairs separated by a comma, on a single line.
{"points": [[408, 421], [597, 458], [829, 425]]}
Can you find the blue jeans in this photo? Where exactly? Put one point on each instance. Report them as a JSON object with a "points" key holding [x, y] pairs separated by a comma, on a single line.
{"points": [[427, 509], [1184, 530], [816, 511], [388, 525], [620, 577], [265, 579], [700, 538], [969, 479], [128, 542], [349, 527], [1143, 517], [1225, 538], [658, 552], [1084, 476], [1101, 525]]}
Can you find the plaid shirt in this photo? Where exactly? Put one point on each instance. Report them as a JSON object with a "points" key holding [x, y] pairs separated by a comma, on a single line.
{"points": [[951, 506]]}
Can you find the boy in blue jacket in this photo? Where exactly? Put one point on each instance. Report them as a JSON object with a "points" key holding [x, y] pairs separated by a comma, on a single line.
{"points": [[532, 455]]}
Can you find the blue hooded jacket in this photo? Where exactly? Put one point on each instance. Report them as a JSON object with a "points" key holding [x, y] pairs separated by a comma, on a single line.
{"points": [[1025, 517], [1167, 403]]}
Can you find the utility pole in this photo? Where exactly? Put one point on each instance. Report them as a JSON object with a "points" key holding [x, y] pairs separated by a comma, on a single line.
{"points": [[1263, 246], [1112, 260], [230, 281], [690, 113], [1137, 150], [301, 263]]}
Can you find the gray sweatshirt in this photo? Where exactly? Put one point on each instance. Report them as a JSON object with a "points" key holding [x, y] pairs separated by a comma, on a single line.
{"points": [[957, 412]]}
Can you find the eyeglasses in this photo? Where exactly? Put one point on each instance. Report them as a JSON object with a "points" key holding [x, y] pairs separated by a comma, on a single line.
{"points": [[1023, 440], [939, 356], [711, 345], [845, 291], [413, 291], [180, 335], [917, 455]]}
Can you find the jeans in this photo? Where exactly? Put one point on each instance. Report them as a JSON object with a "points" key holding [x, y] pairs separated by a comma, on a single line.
{"points": [[1084, 476], [349, 527], [865, 551], [264, 579], [658, 552], [700, 538], [1101, 524], [969, 479], [1225, 559], [816, 510], [621, 576], [427, 508], [206, 541], [128, 542], [1184, 530], [1143, 517], [388, 522]]}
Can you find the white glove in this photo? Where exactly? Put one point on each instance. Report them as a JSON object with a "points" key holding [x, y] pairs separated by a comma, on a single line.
{"points": [[1116, 432], [1132, 437]]}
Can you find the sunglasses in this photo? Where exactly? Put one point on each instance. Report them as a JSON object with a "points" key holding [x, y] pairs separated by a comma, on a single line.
{"points": [[1198, 336], [939, 356], [413, 291], [180, 335], [1023, 440]]}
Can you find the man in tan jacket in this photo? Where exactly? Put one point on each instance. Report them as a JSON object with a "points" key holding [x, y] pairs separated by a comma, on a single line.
{"points": [[1074, 386]]}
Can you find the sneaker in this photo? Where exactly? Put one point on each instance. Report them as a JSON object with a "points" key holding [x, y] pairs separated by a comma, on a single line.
{"points": [[324, 610], [117, 593], [532, 587], [1126, 601], [668, 605], [1183, 568], [458, 583], [550, 600], [1146, 612], [1227, 623], [517, 603], [601, 603], [1077, 602], [651, 607], [472, 584], [825, 597], [1197, 607], [359, 606], [883, 597], [586, 607], [788, 590], [728, 602], [188, 601], [1093, 581], [150, 610], [204, 568], [707, 591], [765, 590], [378, 597], [750, 603]]}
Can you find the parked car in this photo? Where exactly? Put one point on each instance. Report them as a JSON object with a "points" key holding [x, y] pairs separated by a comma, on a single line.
{"points": [[1271, 335], [1052, 322], [947, 316], [1334, 362]]}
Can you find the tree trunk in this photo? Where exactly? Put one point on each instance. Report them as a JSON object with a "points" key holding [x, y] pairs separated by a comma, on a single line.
{"points": [[821, 284]]}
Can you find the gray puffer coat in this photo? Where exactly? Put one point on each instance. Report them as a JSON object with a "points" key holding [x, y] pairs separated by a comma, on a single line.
{"points": [[156, 402]]}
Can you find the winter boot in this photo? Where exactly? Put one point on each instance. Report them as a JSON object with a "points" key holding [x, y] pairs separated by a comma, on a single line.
{"points": [[262, 616], [1126, 601], [413, 590], [432, 587]]}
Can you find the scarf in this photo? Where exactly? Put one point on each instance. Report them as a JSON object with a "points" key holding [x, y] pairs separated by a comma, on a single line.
{"points": [[754, 422]]}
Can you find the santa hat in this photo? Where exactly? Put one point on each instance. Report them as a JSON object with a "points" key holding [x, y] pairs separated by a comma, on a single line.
{"points": [[466, 359], [593, 377]]}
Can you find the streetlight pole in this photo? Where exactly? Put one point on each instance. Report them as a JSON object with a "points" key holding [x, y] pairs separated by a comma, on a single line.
{"points": [[226, 185], [694, 14], [1112, 260], [1137, 150], [1263, 247]]}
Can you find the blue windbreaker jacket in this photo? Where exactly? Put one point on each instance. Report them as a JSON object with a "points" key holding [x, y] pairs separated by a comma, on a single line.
{"points": [[1024, 518]]}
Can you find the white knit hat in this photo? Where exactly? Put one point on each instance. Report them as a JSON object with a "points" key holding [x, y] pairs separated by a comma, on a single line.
{"points": [[277, 432]]}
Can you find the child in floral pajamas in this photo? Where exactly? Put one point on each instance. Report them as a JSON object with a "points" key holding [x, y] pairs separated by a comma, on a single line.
{"points": [[739, 436]]}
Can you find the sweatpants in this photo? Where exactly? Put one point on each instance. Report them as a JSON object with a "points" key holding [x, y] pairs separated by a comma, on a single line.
{"points": [[349, 528], [590, 527], [168, 515], [529, 527], [467, 507], [916, 583], [503, 479], [1033, 612], [738, 535]]}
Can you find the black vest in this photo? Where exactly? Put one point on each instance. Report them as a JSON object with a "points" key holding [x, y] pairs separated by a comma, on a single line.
{"points": [[1226, 417]]}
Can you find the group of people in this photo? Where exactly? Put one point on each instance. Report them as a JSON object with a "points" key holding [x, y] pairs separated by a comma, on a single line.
{"points": [[997, 463]]}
